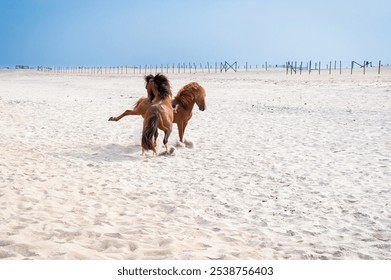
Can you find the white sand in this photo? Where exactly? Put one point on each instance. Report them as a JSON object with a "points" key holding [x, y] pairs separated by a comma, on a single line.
{"points": [[284, 167]]}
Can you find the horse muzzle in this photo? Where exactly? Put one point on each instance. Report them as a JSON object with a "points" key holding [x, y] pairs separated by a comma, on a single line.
{"points": [[202, 108]]}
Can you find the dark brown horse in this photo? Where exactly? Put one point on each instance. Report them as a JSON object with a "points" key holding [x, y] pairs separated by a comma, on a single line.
{"points": [[159, 115], [183, 104]]}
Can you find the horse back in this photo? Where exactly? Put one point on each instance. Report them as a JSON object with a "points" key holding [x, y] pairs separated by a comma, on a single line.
{"points": [[163, 109]]}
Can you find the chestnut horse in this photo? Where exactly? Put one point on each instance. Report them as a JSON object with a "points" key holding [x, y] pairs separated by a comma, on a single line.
{"points": [[159, 115], [183, 103]]}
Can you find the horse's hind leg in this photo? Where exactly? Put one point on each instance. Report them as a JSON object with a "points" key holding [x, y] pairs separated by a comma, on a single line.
{"points": [[166, 136], [155, 136], [124, 114], [138, 110]]}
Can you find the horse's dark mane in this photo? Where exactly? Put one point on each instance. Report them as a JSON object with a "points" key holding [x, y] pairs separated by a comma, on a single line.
{"points": [[163, 86], [185, 96]]}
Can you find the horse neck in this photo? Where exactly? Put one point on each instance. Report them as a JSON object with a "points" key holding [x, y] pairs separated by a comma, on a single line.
{"points": [[166, 101], [191, 105], [188, 106], [155, 92]]}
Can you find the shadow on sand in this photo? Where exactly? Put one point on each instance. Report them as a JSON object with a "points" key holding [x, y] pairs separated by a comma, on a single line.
{"points": [[115, 152], [106, 153]]}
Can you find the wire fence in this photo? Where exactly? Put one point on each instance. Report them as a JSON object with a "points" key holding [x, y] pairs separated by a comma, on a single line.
{"points": [[290, 67]]}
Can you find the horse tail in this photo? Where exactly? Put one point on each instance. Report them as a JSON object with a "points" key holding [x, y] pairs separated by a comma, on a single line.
{"points": [[151, 124]]}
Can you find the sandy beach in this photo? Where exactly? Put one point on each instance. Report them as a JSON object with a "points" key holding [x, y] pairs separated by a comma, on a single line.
{"points": [[283, 167]]}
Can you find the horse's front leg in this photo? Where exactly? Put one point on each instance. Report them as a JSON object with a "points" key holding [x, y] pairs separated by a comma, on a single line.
{"points": [[183, 131], [180, 131]]}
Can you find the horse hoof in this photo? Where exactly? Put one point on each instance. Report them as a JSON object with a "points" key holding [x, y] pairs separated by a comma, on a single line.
{"points": [[111, 119], [189, 144], [172, 151], [180, 144]]}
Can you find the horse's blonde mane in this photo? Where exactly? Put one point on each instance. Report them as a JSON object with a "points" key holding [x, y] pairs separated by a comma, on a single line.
{"points": [[191, 86], [185, 95]]}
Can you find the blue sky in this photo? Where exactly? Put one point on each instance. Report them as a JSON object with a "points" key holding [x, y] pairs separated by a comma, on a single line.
{"points": [[119, 32]]}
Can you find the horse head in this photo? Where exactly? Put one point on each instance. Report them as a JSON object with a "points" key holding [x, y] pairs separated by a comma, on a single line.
{"points": [[150, 87], [199, 98]]}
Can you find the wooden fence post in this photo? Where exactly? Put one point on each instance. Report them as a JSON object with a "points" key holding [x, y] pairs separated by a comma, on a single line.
{"points": [[340, 67], [364, 67], [378, 71]]}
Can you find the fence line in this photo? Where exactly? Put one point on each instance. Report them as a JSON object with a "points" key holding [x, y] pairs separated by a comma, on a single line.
{"points": [[316, 66], [292, 68]]}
